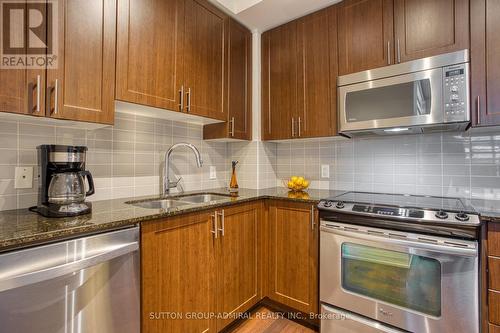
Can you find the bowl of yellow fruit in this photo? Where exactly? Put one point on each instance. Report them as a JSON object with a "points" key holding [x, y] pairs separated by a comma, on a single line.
{"points": [[296, 183]]}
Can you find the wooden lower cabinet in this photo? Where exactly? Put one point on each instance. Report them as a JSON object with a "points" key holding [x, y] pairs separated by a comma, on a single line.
{"points": [[293, 255], [187, 268], [178, 274], [238, 264]]}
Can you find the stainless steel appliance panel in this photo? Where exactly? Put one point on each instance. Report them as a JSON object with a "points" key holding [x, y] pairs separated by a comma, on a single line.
{"points": [[456, 310], [85, 285], [335, 320]]}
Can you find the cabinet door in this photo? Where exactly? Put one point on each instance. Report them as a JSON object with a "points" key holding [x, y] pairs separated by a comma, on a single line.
{"points": [[149, 46], [279, 81], [239, 87], [425, 28], [365, 35], [485, 52], [178, 274], [204, 50], [316, 114], [237, 261], [22, 90], [293, 272], [83, 85]]}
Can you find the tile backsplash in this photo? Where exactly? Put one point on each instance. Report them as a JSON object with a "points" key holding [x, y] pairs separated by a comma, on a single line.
{"points": [[443, 164], [127, 160]]}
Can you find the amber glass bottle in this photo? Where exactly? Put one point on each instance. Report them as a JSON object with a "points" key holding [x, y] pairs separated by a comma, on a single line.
{"points": [[233, 186]]}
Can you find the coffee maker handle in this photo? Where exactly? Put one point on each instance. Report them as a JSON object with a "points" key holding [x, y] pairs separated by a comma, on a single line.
{"points": [[91, 183]]}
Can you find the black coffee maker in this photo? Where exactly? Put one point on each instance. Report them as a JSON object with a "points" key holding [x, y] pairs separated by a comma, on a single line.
{"points": [[61, 184]]}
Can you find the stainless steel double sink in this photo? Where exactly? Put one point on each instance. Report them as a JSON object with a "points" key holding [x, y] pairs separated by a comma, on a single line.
{"points": [[180, 200]]}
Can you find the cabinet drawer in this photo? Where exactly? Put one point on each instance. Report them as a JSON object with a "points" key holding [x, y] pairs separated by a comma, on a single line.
{"points": [[494, 239], [494, 306], [494, 273]]}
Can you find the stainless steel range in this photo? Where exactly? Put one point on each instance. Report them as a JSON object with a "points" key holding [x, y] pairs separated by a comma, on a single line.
{"points": [[398, 263]]}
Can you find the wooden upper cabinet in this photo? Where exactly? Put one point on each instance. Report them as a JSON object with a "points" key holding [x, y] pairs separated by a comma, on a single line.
{"points": [[485, 52], [293, 272], [149, 62], [178, 273], [317, 45], [279, 81], [238, 261], [82, 87], [238, 86], [365, 35], [204, 54], [425, 28]]}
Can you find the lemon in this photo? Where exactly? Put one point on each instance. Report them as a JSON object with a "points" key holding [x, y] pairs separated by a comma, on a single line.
{"points": [[299, 182], [305, 183], [290, 184], [301, 179], [294, 178]]}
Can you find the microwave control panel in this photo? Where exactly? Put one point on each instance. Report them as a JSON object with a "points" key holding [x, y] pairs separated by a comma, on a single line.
{"points": [[456, 105]]}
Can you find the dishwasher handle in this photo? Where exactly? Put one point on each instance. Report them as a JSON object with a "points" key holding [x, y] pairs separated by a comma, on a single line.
{"points": [[49, 273]]}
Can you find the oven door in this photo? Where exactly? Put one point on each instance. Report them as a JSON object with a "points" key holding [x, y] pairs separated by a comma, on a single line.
{"points": [[414, 99], [414, 282]]}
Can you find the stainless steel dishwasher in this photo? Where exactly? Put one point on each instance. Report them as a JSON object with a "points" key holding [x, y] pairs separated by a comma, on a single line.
{"points": [[84, 285]]}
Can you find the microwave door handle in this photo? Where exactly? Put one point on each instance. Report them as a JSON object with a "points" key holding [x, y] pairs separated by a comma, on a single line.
{"points": [[426, 246], [53, 272]]}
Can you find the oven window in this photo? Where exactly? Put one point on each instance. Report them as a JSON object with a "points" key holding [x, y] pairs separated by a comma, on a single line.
{"points": [[400, 100], [406, 280]]}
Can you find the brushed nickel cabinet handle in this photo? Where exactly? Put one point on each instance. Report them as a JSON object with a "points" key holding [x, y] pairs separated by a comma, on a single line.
{"points": [[231, 131], [293, 127], [188, 108], [55, 90], [223, 228], [181, 99], [215, 231], [478, 110], [399, 52], [388, 52], [31, 87], [38, 89], [313, 223], [300, 130]]}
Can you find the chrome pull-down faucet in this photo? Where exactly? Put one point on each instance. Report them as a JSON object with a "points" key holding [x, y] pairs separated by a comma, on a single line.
{"points": [[167, 184]]}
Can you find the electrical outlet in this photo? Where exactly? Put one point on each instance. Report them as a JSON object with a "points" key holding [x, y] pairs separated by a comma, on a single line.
{"points": [[23, 177], [213, 172], [325, 171]]}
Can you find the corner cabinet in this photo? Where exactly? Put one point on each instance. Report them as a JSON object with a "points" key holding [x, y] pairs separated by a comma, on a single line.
{"points": [[205, 263], [485, 67], [181, 71], [238, 98], [293, 253], [299, 72], [81, 87]]}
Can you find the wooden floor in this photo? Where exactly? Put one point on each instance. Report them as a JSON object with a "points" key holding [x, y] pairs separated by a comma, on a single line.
{"points": [[264, 320]]}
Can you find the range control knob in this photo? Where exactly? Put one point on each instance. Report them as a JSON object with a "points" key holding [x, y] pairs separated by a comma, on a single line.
{"points": [[462, 217], [340, 205], [328, 203], [442, 215]]}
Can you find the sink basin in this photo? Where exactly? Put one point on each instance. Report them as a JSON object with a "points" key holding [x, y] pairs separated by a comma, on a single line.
{"points": [[160, 204], [203, 198], [179, 201]]}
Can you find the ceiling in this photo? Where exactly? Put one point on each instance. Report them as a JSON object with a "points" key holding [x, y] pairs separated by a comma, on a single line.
{"points": [[262, 15]]}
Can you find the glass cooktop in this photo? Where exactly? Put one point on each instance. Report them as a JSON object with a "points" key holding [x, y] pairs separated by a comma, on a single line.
{"points": [[406, 201]]}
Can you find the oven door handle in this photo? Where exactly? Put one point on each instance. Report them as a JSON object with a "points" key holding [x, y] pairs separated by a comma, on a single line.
{"points": [[450, 248]]}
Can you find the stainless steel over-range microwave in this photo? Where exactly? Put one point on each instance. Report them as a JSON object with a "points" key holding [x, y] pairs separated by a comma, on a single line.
{"points": [[413, 97]]}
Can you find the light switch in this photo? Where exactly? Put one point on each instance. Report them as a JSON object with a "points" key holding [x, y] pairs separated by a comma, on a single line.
{"points": [[213, 172], [23, 177], [325, 171]]}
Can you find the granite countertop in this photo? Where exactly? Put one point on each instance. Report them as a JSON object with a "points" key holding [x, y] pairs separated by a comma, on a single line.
{"points": [[22, 228], [489, 209]]}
